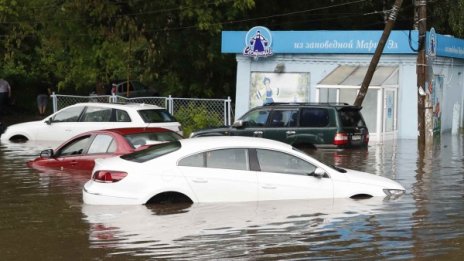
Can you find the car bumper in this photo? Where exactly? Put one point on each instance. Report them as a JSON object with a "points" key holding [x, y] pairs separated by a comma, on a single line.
{"points": [[94, 198], [341, 147]]}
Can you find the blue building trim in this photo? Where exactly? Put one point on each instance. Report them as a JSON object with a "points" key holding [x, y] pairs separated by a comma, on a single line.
{"points": [[448, 46], [343, 42]]}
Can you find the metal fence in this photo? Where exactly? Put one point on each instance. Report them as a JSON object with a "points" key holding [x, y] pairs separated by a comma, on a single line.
{"points": [[209, 111]]}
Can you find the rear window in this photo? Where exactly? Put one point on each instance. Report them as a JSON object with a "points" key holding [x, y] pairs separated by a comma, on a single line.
{"points": [[155, 115], [152, 152], [314, 117], [148, 138], [351, 118]]}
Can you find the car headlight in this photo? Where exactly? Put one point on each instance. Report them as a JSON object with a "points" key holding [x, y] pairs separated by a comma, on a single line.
{"points": [[192, 135], [394, 193]]}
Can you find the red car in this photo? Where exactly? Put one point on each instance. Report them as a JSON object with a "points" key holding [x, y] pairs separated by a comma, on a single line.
{"points": [[81, 151]]}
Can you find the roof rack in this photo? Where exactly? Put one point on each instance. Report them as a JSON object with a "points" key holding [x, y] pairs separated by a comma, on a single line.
{"points": [[305, 103]]}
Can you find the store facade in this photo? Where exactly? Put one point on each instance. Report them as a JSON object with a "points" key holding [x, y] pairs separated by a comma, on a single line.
{"points": [[329, 66]]}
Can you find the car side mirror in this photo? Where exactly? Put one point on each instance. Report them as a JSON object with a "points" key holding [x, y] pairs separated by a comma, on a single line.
{"points": [[49, 121], [46, 154], [238, 124], [319, 173]]}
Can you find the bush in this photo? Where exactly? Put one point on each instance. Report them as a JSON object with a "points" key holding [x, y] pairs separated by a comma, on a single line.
{"points": [[194, 117]]}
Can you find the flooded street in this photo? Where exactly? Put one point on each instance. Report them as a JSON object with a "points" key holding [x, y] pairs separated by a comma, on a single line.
{"points": [[43, 218]]}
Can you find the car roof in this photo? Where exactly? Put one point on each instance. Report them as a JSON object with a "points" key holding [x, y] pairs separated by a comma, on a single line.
{"points": [[125, 131], [213, 142], [136, 106], [310, 104]]}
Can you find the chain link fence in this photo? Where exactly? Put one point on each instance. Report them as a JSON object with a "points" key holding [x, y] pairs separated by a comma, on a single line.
{"points": [[192, 113]]}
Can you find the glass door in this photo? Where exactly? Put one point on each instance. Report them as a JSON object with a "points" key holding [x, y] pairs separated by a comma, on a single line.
{"points": [[390, 108]]}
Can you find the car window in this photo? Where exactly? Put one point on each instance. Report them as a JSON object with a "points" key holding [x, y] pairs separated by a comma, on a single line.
{"points": [[68, 115], [256, 118], [102, 144], [97, 114], [227, 159], [283, 118], [221, 159], [139, 139], [197, 160], [76, 147], [122, 116], [314, 117], [153, 152], [351, 118], [156, 115], [279, 162]]}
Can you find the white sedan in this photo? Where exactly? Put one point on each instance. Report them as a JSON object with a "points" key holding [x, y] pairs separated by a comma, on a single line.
{"points": [[226, 169], [83, 117]]}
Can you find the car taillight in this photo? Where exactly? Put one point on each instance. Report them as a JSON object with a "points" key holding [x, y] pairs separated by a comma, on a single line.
{"points": [[341, 138], [108, 176], [366, 138]]}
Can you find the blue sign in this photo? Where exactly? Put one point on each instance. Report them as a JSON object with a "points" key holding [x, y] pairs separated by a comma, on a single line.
{"points": [[340, 42], [448, 46], [337, 42]]}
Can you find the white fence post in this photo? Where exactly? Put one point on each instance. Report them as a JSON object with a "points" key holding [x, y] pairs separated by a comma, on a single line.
{"points": [[170, 105], [227, 111], [54, 102]]}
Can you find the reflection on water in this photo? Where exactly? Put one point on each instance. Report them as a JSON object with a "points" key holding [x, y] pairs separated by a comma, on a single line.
{"points": [[43, 211], [242, 229]]}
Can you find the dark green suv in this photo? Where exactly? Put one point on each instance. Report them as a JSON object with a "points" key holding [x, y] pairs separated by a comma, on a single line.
{"points": [[303, 125]]}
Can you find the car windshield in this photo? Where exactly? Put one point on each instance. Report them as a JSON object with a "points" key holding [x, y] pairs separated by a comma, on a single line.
{"points": [[256, 118], [351, 118], [156, 115], [152, 152], [148, 138]]}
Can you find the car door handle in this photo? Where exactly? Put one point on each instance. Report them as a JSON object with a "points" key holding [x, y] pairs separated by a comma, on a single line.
{"points": [[200, 180], [74, 162], [268, 186], [290, 132], [258, 133]]}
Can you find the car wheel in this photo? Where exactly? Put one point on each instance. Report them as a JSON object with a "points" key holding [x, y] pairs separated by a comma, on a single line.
{"points": [[19, 139]]}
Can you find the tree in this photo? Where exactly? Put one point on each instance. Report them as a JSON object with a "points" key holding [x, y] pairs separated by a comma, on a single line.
{"points": [[171, 45]]}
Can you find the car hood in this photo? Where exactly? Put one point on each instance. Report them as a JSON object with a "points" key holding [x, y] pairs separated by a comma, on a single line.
{"points": [[355, 176], [28, 124], [21, 128]]}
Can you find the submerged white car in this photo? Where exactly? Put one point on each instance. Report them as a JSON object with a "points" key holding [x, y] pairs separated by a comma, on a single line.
{"points": [[83, 117], [226, 169]]}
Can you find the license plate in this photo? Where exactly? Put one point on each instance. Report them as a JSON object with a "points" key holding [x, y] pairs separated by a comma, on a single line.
{"points": [[356, 137]]}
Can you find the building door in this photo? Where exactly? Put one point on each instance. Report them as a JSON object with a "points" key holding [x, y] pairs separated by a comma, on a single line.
{"points": [[389, 114]]}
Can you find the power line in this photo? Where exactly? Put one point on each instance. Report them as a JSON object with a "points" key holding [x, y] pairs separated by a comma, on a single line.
{"points": [[169, 29]]}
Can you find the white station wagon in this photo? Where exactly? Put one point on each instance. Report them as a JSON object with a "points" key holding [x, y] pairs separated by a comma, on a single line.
{"points": [[83, 117], [226, 169]]}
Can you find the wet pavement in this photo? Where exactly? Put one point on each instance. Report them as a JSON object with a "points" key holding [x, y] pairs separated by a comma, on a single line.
{"points": [[43, 218]]}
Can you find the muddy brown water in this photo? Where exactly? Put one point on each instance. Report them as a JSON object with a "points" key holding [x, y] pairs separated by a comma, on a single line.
{"points": [[42, 216]]}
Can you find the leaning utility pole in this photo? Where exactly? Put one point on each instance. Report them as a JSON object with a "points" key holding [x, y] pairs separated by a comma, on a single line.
{"points": [[421, 71], [378, 52]]}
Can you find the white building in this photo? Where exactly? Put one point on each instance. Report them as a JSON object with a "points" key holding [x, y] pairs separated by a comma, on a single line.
{"points": [[329, 66]]}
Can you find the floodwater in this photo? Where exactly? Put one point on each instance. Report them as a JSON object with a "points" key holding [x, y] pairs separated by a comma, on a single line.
{"points": [[42, 216]]}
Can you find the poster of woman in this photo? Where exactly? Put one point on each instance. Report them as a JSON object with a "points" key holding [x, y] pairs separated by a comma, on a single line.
{"points": [[278, 87]]}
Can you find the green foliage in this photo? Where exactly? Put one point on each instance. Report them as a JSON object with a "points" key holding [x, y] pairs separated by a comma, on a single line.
{"points": [[194, 117], [174, 46]]}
